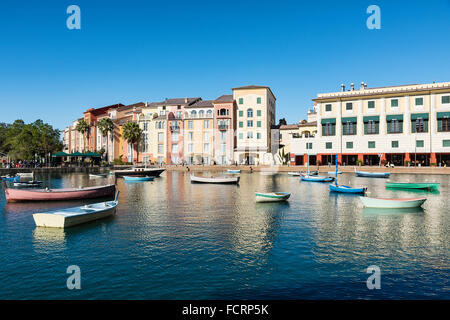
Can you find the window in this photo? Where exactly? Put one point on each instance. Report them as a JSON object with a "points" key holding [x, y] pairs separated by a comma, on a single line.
{"points": [[250, 123], [328, 129], [206, 124], [349, 145], [145, 126], [190, 124], [241, 124], [309, 145], [241, 100], [328, 145], [160, 160], [209, 114], [445, 99], [193, 114], [223, 136], [394, 103], [394, 144], [349, 106], [258, 124], [394, 126], [371, 105], [371, 127], [175, 148], [249, 135], [258, 113], [419, 143], [258, 100], [179, 114], [349, 128], [190, 136], [328, 107], [419, 101], [241, 136], [160, 137], [250, 113], [190, 147], [206, 136], [206, 147], [201, 114], [446, 143], [175, 137], [223, 148], [419, 125], [371, 144], [258, 135], [444, 125], [241, 113]]}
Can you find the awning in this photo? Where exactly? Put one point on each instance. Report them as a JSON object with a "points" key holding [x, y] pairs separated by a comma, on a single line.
{"points": [[349, 119], [60, 154], [92, 155], [371, 118], [442, 115], [415, 116], [391, 117], [330, 120], [76, 154]]}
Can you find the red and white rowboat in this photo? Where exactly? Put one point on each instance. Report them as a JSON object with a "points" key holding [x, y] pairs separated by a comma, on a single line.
{"points": [[16, 195]]}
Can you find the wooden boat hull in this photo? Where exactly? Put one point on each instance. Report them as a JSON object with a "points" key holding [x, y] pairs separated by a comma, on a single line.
{"points": [[231, 180], [316, 179], [392, 203], [272, 197], [16, 195], [372, 174], [412, 185], [154, 172], [74, 216], [136, 179], [346, 189]]}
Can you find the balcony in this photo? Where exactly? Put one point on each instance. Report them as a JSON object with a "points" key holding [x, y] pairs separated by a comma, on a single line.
{"points": [[175, 128], [223, 127]]}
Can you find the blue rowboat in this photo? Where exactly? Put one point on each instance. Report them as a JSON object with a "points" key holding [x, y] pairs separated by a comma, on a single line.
{"points": [[134, 178], [233, 171], [372, 174], [346, 189], [316, 179], [13, 179]]}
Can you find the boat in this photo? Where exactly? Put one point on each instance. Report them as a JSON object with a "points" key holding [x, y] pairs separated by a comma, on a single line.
{"points": [[372, 174], [69, 217], [16, 195], [97, 175], [272, 196], [316, 178], [154, 172], [268, 173], [432, 186], [346, 189], [12, 179], [342, 188], [311, 173], [295, 174], [332, 172], [224, 180], [28, 184], [26, 174], [392, 202], [133, 179], [233, 171]]}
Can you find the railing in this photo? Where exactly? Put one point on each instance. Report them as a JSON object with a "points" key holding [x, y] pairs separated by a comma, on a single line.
{"points": [[223, 127], [174, 128]]}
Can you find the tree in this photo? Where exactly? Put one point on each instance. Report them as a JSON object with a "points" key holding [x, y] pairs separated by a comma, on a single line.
{"points": [[84, 128], [3, 132], [133, 134], [106, 126], [282, 122]]}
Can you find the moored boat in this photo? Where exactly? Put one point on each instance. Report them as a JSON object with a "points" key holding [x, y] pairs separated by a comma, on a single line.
{"points": [[334, 173], [28, 184], [26, 174], [135, 179], [73, 216], [432, 186], [233, 171], [392, 202], [220, 180], [97, 175], [316, 178], [372, 174], [13, 195], [155, 172], [271, 196], [295, 174], [12, 179], [346, 189]]}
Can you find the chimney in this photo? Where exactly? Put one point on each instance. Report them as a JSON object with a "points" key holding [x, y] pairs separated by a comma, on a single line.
{"points": [[342, 87], [352, 85], [362, 85], [185, 100]]}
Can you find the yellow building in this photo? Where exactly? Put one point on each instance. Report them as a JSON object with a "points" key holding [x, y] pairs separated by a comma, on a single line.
{"points": [[152, 121]]}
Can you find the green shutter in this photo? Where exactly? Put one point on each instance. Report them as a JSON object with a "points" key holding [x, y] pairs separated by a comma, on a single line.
{"points": [[425, 125], [241, 113], [446, 143], [258, 112], [258, 124], [258, 135], [445, 99], [371, 104], [349, 145], [365, 128], [241, 124], [258, 100], [419, 101], [439, 123], [419, 143], [328, 107], [394, 103], [394, 144], [371, 144], [241, 100], [413, 126]]}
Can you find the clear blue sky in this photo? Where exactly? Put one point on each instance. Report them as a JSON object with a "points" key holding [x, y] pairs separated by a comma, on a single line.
{"points": [[130, 51]]}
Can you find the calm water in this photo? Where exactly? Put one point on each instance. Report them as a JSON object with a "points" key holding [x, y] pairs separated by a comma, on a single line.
{"points": [[171, 239]]}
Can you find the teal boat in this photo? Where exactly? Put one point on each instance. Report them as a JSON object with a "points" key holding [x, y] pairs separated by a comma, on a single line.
{"points": [[432, 186]]}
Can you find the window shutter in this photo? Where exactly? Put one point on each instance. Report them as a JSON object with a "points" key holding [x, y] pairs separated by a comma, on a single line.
{"points": [[439, 125], [425, 125], [400, 126], [377, 127], [413, 126], [389, 124], [365, 128]]}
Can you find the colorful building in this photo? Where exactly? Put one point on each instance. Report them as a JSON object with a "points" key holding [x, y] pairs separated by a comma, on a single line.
{"points": [[224, 124]]}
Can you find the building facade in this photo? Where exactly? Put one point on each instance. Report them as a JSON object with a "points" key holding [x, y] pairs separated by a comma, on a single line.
{"points": [[400, 125]]}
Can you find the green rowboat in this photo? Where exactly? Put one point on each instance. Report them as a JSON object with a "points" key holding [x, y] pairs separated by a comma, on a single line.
{"points": [[413, 185]]}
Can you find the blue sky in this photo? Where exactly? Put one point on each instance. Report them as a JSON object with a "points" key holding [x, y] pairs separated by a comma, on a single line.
{"points": [[131, 51]]}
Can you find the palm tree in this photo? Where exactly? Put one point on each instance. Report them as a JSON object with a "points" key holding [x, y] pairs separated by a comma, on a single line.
{"points": [[133, 134], [106, 125], [84, 128]]}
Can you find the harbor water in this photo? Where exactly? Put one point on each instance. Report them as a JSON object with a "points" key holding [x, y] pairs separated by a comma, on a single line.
{"points": [[171, 239]]}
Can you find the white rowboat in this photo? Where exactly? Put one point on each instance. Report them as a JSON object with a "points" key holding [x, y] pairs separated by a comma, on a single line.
{"points": [[272, 196], [230, 180], [97, 175], [69, 217], [392, 203]]}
